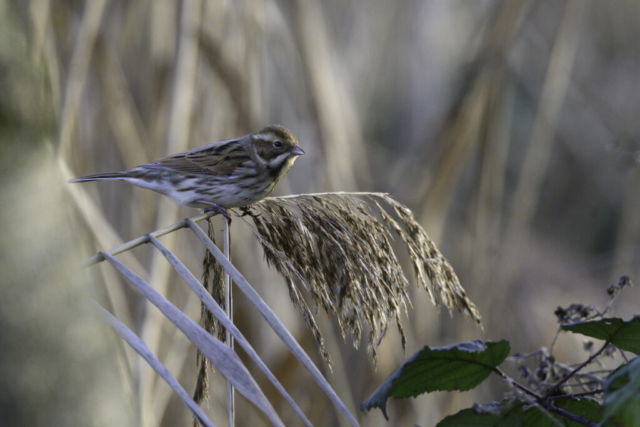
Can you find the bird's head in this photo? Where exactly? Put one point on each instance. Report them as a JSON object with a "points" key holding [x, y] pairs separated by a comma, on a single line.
{"points": [[276, 147]]}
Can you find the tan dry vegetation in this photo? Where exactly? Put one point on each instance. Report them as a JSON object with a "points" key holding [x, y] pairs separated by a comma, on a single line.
{"points": [[332, 245], [508, 127]]}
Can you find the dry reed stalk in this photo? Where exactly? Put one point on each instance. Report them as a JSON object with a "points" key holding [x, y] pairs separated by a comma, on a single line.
{"points": [[492, 179], [628, 234], [177, 137], [538, 153], [338, 121], [78, 72], [119, 105], [213, 281], [468, 117], [235, 77], [334, 246]]}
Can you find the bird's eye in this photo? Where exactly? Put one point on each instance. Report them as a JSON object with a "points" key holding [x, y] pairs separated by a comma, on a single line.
{"points": [[277, 144]]}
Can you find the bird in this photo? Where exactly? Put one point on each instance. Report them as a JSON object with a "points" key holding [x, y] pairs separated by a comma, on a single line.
{"points": [[232, 173]]}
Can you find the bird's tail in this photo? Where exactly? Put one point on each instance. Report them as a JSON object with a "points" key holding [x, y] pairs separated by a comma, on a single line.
{"points": [[100, 177]]}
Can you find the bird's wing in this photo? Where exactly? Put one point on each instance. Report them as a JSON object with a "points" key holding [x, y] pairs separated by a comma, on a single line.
{"points": [[220, 158]]}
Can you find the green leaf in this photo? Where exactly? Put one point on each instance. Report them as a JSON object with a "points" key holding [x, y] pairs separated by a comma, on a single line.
{"points": [[499, 414], [619, 381], [510, 414], [587, 409], [623, 334], [622, 395], [461, 367]]}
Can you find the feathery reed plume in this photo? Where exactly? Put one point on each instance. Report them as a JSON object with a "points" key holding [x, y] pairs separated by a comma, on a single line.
{"points": [[334, 246], [213, 281], [427, 259]]}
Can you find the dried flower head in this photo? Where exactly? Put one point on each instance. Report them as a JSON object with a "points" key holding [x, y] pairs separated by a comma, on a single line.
{"points": [[333, 245], [622, 283], [576, 313]]}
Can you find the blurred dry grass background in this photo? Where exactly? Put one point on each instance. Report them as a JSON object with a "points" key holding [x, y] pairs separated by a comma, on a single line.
{"points": [[509, 127]]}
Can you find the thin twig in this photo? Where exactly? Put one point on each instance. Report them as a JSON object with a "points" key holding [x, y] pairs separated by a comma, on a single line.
{"points": [[569, 415], [572, 373], [517, 357], [517, 384], [548, 414], [543, 400], [624, 357], [555, 340], [574, 395]]}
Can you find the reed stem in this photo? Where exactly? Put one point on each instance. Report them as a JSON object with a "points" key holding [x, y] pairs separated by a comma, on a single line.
{"points": [[228, 303]]}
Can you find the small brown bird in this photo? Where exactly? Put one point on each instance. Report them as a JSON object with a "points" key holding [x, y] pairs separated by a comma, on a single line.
{"points": [[223, 174]]}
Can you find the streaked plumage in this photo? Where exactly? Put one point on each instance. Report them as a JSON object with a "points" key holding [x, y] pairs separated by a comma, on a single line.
{"points": [[230, 173]]}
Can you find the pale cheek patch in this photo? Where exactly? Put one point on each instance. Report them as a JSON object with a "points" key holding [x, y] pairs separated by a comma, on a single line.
{"points": [[278, 160]]}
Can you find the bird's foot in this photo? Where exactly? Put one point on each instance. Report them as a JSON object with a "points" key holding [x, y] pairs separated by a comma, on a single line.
{"points": [[246, 211], [216, 208]]}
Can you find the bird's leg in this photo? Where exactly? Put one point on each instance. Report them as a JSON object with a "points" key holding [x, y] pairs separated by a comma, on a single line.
{"points": [[246, 211], [217, 208]]}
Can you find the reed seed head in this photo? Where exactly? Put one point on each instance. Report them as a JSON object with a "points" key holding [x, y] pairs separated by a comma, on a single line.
{"points": [[334, 245]]}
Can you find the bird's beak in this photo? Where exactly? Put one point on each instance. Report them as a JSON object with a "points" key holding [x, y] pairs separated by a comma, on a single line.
{"points": [[297, 151]]}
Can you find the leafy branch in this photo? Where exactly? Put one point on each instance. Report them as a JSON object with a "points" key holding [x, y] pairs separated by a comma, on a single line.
{"points": [[549, 397]]}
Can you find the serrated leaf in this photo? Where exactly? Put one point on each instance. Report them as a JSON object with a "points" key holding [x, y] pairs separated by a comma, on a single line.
{"points": [[588, 409], [460, 366], [624, 334], [498, 414], [622, 395]]}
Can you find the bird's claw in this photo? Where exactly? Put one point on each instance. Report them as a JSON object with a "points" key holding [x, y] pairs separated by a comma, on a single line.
{"points": [[217, 208]]}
